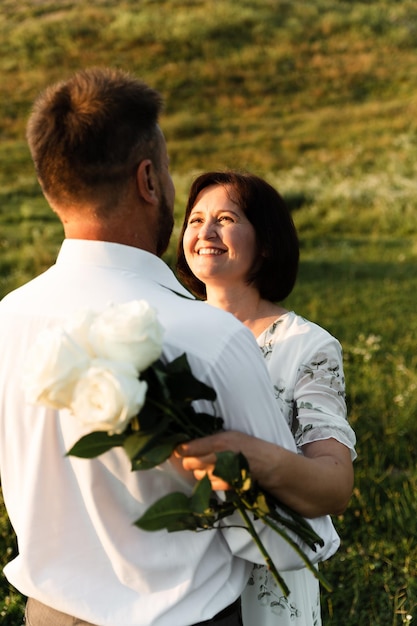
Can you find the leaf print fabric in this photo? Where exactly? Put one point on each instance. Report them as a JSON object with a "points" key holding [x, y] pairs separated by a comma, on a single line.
{"points": [[306, 368], [265, 605]]}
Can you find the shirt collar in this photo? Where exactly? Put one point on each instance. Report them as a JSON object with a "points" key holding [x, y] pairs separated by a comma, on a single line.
{"points": [[119, 256]]}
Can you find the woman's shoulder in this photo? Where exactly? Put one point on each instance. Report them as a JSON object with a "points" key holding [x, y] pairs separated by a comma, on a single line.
{"points": [[295, 329], [300, 324]]}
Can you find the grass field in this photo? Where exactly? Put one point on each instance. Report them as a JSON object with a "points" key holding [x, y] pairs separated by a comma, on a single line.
{"points": [[321, 99]]}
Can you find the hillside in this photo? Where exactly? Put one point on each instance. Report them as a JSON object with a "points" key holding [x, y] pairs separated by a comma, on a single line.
{"points": [[318, 98]]}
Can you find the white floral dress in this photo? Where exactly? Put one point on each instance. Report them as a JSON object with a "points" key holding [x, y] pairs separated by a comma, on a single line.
{"points": [[305, 364]]}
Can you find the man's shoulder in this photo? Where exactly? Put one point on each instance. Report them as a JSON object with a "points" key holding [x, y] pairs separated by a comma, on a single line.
{"points": [[211, 337], [22, 295], [201, 326]]}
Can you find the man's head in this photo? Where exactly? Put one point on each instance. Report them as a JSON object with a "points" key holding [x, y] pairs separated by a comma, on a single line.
{"points": [[87, 137]]}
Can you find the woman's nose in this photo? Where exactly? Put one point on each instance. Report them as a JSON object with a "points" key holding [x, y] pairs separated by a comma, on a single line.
{"points": [[207, 230]]}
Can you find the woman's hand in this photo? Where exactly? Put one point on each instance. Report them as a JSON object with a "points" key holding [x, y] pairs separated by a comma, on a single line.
{"points": [[317, 482], [199, 456]]}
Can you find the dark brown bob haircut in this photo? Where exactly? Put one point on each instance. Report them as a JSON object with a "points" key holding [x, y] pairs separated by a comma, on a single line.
{"points": [[88, 134], [275, 270]]}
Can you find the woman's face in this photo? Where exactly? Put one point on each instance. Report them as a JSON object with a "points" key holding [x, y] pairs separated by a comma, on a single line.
{"points": [[219, 241]]}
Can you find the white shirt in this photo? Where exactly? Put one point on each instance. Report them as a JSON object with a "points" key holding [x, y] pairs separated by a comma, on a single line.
{"points": [[78, 550]]}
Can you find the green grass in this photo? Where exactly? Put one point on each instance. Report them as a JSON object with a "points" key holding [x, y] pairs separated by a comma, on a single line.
{"points": [[320, 99]]}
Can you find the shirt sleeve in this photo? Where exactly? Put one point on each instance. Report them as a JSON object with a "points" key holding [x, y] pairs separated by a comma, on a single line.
{"points": [[282, 553]]}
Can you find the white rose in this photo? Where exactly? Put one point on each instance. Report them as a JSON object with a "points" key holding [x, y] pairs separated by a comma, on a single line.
{"points": [[54, 365], [128, 332], [108, 395], [79, 328]]}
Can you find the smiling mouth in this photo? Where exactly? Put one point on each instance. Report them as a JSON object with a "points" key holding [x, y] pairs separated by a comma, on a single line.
{"points": [[214, 251]]}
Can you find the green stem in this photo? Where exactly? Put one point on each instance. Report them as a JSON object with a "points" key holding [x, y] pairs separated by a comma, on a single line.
{"points": [[299, 551], [296, 522], [275, 524], [250, 528], [300, 528]]}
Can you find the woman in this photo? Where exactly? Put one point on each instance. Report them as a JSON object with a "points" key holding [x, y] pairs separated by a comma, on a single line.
{"points": [[239, 250]]}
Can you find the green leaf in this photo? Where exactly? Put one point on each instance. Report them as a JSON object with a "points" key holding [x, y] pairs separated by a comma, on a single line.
{"points": [[157, 454], [150, 414], [156, 378], [200, 500], [176, 511], [180, 365], [170, 512], [182, 383], [206, 423], [232, 467], [140, 441], [94, 444]]}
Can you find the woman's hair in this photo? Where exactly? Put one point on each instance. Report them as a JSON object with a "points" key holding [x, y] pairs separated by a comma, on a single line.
{"points": [[275, 269], [88, 134]]}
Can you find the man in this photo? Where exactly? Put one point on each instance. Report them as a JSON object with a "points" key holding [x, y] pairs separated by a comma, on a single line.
{"points": [[102, 163]]}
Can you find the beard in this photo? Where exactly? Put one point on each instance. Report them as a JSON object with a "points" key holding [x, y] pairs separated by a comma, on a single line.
{"points": [[165, 224]]}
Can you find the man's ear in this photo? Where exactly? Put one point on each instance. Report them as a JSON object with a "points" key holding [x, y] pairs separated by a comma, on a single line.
{"points": [[146, 180]]}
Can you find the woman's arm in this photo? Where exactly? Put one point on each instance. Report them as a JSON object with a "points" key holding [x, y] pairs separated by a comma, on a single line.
{"points": [[319, 479], [315, 483]]}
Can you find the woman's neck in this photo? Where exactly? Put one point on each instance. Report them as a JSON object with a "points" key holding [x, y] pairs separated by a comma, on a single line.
{"points": [[246, 304]]}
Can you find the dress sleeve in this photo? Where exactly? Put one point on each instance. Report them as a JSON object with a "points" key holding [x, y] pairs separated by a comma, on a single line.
{"points": [[319, 397]]}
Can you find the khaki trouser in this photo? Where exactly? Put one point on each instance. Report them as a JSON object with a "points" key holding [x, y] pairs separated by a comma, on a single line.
{"points": [[38, 614]]}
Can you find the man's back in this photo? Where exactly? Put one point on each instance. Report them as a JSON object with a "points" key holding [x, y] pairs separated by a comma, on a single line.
{"points": [[79, 551]]}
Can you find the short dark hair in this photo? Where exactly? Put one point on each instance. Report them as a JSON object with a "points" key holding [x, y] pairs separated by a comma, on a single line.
{"points": [[275, 270], [88, 134]]}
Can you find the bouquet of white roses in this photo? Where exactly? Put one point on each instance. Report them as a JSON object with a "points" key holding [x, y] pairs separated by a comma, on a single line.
{"points": [[105, 368]]}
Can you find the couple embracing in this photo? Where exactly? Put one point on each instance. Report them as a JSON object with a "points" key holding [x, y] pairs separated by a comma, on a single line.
{"points": [[102, 162]]}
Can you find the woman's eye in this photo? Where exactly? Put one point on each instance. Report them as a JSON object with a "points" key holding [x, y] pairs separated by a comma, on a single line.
{"points": [[195, 220], [225, 218]]}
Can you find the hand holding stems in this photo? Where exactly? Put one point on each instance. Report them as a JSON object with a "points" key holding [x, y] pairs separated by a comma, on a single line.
{"points": [[203, 510], [315, 483]]}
